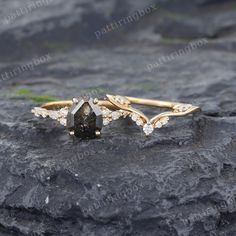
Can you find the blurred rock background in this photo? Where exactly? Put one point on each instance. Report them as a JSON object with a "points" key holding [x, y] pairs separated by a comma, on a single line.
{"points": [[180, 181]]}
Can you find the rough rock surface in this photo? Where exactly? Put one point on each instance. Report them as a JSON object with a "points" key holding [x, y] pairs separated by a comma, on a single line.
{"points": [[178, 182]]}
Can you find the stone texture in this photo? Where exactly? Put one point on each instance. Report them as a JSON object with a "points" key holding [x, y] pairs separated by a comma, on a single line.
{"points": [[178, 181]]}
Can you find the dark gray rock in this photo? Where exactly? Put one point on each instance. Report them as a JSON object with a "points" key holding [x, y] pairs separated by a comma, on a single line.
{"points": [[208, 2], [213, 26], [178, 182]]}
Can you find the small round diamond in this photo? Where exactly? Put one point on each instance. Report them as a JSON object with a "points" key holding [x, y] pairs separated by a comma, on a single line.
{"points": [[63, 121], [53, 115], [115, 115], [106, 122], [36, 113], [44, 115], [148, 128], [158, 125], [164, 120], [139, 122], [64, 111], [134, 117], [75, 100], [106, 112]]}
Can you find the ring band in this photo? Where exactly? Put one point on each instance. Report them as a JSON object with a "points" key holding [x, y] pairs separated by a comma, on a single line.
{"points": [[85, 117]]}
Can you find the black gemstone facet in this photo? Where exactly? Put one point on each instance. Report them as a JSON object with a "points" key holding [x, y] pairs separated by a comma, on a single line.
{"points": [[85, 118]]}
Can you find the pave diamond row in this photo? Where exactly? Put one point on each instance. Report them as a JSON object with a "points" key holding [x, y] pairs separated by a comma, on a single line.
{"points": [[182, 107], [109, 115], [148, 128], [59, 115], [122, 100]]}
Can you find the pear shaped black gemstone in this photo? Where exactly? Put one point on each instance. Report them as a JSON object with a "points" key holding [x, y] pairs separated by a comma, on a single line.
{"points": [[84, 118]]}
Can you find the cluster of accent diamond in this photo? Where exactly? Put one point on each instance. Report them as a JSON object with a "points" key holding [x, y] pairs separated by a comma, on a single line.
{"points": [[122, 100], [163, 121], [59, 115], [148, 128], [182, 107], [109, 115], [136, 118]]}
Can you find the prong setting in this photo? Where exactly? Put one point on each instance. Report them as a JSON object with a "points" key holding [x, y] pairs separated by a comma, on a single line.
{"points": [[95, 101], [75, 100]]}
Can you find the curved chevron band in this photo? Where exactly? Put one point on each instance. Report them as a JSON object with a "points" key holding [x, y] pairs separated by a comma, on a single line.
{"points": [[84, 117]]}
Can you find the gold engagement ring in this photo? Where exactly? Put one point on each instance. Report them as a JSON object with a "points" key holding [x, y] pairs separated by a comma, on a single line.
{"points": [[84, 117]]}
